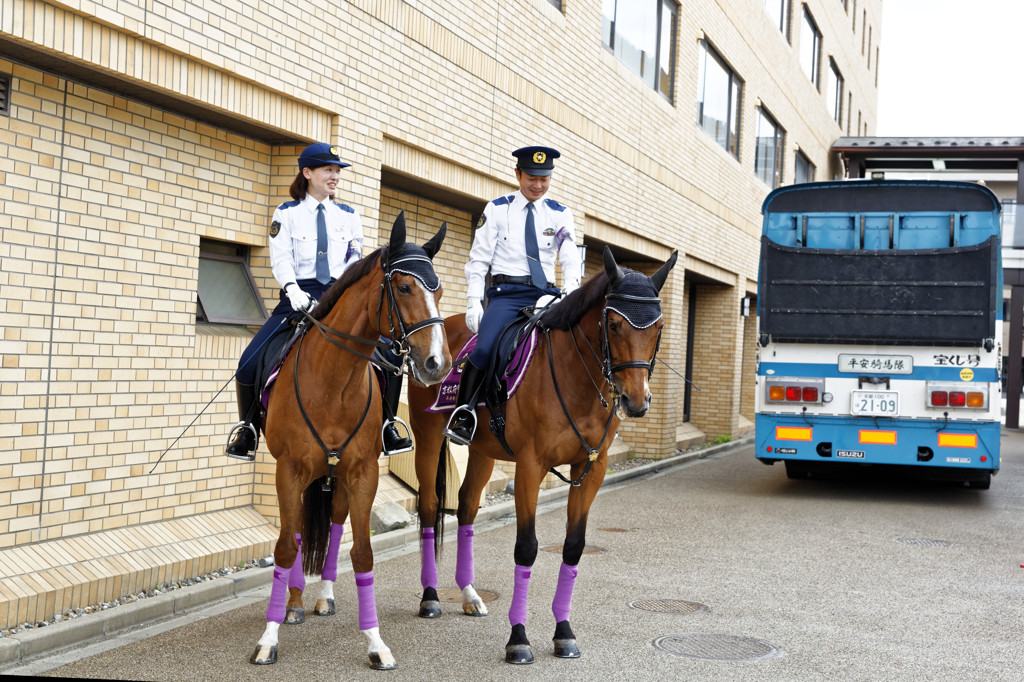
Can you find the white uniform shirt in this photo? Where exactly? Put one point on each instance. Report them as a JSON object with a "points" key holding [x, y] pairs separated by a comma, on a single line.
{"points": [[293, 239], [499, 245]]}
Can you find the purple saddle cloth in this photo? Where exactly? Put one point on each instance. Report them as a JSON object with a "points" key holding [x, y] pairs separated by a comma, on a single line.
{"points": [[513, 375]]}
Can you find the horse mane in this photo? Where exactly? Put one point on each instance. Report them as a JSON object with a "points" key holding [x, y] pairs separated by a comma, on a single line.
{"points": [[355, 272], [570, 310]]}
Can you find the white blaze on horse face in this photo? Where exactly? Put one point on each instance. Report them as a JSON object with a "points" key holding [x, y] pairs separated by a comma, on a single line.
{"points": [[436, 330]]}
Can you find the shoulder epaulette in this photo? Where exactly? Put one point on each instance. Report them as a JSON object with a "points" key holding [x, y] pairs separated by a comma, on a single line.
{"points": [[501, 201], [345, 207], [289, 204], [554, 205]]}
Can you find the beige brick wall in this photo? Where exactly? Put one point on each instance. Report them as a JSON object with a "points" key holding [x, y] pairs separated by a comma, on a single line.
{"points": [[104, 198]]}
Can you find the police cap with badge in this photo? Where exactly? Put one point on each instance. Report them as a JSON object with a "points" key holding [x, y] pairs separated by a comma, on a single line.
{"points": [[536, 160], [320, 154]]}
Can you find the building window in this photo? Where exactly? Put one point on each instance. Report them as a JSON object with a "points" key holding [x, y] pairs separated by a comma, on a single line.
{"points": [[5, 94], [803, 169], [642, 36], [718, 100], [834, 92], [557, 4], [768, 154], [1011, 237], [810, 48], [227, 291], [778, 10]]}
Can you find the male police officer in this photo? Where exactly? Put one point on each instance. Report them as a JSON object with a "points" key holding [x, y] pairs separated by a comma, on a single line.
{"points": [[517, 240]]}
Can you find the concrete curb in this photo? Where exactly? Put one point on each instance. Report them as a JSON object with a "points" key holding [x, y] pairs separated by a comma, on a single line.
{"points": [[47, 640]]}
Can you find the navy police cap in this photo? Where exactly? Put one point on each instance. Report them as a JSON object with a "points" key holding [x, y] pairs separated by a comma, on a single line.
{"points": [[320, 154], [536, 160]]}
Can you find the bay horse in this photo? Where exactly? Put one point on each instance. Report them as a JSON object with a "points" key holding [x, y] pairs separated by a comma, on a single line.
{"points": [[562, 413], [324, 424]]}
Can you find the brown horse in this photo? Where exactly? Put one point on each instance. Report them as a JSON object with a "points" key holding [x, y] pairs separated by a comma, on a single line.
{"points": [[592, 363], [324, 423]]}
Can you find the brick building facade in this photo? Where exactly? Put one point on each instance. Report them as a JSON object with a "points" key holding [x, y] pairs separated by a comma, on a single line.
{"points": [[135, 134]]}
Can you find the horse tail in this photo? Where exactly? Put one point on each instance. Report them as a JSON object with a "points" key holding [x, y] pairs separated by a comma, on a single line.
{"points": [[440, 488], [316, 528]]}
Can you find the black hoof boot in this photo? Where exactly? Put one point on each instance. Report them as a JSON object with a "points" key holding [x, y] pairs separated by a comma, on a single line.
{"points": [[565, 641], [518, 651], [430, 606]]}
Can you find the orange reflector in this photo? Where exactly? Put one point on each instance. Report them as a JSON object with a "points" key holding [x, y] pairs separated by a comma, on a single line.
{"points": [[975, 399], [792, 433], [878, 437], [958, 440]]}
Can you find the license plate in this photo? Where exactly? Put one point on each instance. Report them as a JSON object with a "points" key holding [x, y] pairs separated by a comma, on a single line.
{"points": [[875, 403]]}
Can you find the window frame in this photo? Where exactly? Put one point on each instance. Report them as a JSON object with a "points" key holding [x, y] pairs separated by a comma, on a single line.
{"points": [[801, 159], [242, 259], [654, 80], [733, 125], [783, 21], [815, 71], [835, 79], [779, 143]]}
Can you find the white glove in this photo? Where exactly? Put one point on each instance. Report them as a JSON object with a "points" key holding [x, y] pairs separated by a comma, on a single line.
{"points": [[544, 301], [299, 299], [474, 311]]}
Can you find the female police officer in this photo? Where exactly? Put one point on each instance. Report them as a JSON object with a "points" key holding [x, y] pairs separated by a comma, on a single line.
{"points": [[313, 240], [517, 240]]}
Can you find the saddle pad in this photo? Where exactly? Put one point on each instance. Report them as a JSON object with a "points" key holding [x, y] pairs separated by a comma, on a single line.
{"points": [[448, 391]]}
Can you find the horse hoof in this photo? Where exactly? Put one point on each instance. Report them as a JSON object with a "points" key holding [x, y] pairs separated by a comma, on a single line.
{"points": [[518, 654], [382, 660], [474, 608], [295, 615], [430, 609], [264, 655], [566, 648], [324, 607]]}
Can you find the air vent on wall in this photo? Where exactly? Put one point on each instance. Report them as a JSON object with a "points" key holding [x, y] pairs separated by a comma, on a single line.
{"points": [[5, 94]]}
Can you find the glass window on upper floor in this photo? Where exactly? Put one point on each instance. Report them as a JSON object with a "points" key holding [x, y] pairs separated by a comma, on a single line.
{"points": [[834, 92], [803, 169], [227, 291], [1008, 220], [718, 99], [810, 48], [779, 11], [556, 3], [768, 153], [641, 35]]}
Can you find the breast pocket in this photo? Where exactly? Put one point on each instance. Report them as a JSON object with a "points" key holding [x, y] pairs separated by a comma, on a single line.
{"points": [[339, 237], [305, 250]]}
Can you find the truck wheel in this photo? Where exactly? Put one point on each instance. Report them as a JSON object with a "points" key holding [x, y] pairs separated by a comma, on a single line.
{"points": [[797, 471], [980, 483]]}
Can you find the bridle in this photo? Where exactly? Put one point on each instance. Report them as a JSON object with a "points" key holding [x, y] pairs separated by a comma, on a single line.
{"points": [[608, 369]]}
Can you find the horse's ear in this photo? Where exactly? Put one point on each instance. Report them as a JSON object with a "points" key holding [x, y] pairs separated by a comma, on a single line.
{"points": [[434, 245], [661, 275], [612, 268], [397, 240]]}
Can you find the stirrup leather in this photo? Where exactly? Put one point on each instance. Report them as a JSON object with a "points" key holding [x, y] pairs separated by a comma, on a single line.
{"points": [[455, 437], [408, 434], [248, 456]]}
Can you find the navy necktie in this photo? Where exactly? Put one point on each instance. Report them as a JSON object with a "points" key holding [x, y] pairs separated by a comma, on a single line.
{"points": [[540, 280], [323, 268]]}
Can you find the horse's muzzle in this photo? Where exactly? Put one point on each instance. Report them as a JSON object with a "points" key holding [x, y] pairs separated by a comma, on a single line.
{"points": [[430, 371], [634, 409]]}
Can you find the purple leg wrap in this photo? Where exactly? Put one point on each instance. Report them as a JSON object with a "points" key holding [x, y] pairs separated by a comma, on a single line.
{"points": [[428, 570], [331, 563], [563, 593], [296, 578], [464, 560], [367, 605], [517, 611], [278, 595]]}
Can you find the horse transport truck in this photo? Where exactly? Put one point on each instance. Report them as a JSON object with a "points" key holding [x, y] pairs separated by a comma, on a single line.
{"points": [[880, 329]]}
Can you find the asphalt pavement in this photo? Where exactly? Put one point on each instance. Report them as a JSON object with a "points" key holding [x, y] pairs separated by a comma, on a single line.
{"points": [[713, 568]]}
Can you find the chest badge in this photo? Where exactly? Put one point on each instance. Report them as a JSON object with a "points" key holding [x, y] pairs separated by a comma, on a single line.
{"points": [[549, 232]]}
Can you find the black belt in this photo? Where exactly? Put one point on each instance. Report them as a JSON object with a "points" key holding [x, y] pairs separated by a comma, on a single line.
{"points": [[510, 279]]}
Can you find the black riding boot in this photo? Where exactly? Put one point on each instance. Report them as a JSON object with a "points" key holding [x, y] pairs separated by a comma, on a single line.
{"points": [[394, 443], [243, 446], [462, 425]]}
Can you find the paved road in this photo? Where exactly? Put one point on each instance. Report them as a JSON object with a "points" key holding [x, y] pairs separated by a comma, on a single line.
{"points": [[856, 579]]}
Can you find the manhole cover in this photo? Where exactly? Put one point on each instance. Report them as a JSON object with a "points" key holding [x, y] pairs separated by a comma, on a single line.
{"points": [[924, 541], [667, 605], [589, 549], [716, 647], [614, 530], [454, 596]]}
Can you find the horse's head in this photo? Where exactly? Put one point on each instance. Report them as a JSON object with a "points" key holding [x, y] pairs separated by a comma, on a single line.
{"points": [[632, 331], [412, 291]]}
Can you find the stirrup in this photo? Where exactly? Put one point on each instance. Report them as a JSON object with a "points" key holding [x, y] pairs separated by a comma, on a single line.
{"points": [[408, 433], [248, 456], [455, 437]]}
